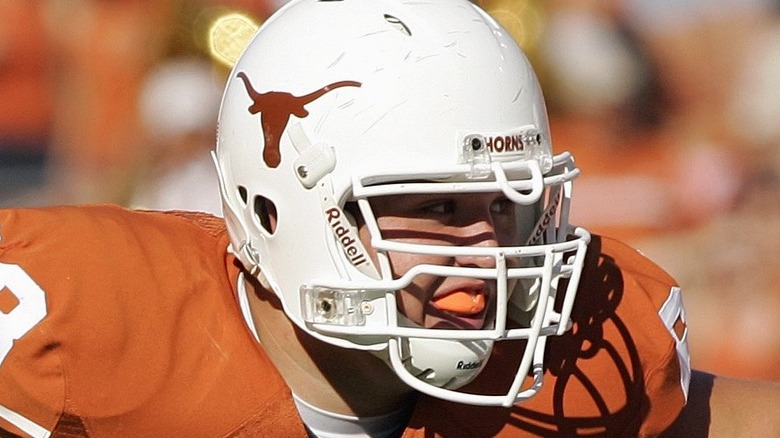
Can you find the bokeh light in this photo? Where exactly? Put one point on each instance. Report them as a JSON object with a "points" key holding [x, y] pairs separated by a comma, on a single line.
{"points": [[228, 35]]}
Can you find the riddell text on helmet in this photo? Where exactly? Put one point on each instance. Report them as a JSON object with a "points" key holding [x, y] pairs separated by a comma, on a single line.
{"points": [[469, 365], [346, 236]]}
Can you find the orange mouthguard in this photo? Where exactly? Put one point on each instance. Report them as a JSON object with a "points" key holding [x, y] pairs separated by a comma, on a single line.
{"points": [[461, 303]]}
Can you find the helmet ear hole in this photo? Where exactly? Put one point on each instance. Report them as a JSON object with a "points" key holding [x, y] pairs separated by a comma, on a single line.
{"points": [[265, 213]]}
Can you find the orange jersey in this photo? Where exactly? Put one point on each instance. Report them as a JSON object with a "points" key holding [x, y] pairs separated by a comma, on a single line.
{"points": [[122, 323]]}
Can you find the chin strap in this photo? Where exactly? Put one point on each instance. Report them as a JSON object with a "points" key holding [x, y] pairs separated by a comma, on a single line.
{"points": [[243, 304]]}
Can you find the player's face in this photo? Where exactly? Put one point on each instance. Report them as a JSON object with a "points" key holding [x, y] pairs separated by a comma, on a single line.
{"points": [[469, 219]]}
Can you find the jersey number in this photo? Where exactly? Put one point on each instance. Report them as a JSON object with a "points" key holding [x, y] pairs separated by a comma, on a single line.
{"points": [[24, 306]]}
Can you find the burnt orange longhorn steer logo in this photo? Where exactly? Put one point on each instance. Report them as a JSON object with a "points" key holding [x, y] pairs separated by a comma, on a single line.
{"points": [[276, 107]]}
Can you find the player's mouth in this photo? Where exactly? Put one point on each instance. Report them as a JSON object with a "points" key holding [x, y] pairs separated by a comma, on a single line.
{"points": [[464, 309]]}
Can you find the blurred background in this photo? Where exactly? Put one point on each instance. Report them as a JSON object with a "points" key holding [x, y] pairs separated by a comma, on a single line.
{"points": [[671, 108]]}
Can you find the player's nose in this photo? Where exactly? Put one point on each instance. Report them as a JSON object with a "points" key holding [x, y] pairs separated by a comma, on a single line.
{"points": [[478, 233]]}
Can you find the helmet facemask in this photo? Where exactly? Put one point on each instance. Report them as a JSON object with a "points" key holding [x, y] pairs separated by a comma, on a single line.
{"points": [[519, 278]]}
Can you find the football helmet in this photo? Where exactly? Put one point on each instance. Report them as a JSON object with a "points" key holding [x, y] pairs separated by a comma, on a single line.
{"points": [[335, 103]]}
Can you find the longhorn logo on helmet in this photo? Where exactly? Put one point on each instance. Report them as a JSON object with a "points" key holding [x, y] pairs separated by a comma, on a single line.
{"points": [[275, 109]]}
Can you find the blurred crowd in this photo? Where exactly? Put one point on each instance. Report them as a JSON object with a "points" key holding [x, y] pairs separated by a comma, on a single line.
{"points": [[671, 108]]}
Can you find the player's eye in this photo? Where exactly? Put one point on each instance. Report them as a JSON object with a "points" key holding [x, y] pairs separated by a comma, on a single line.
{"points": [[501, 206], [439, 207]]}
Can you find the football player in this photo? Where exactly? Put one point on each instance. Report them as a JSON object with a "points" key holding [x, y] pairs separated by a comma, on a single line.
{"points": [[395, 260]]}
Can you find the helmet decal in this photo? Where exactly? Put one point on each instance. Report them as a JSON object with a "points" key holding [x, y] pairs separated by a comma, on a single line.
{"points": [[276, 107]]}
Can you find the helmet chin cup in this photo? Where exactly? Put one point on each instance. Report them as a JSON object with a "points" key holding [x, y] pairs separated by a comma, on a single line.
{"points": [[445, 363]]}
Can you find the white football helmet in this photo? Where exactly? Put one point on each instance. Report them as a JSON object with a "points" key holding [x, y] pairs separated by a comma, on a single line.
{"points": [[337, 102]]}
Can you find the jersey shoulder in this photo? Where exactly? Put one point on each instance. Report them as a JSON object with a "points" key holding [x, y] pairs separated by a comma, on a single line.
{"points": [[104, 244], [122, 318], [643, 316], [109, 221], [633, 265]]}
